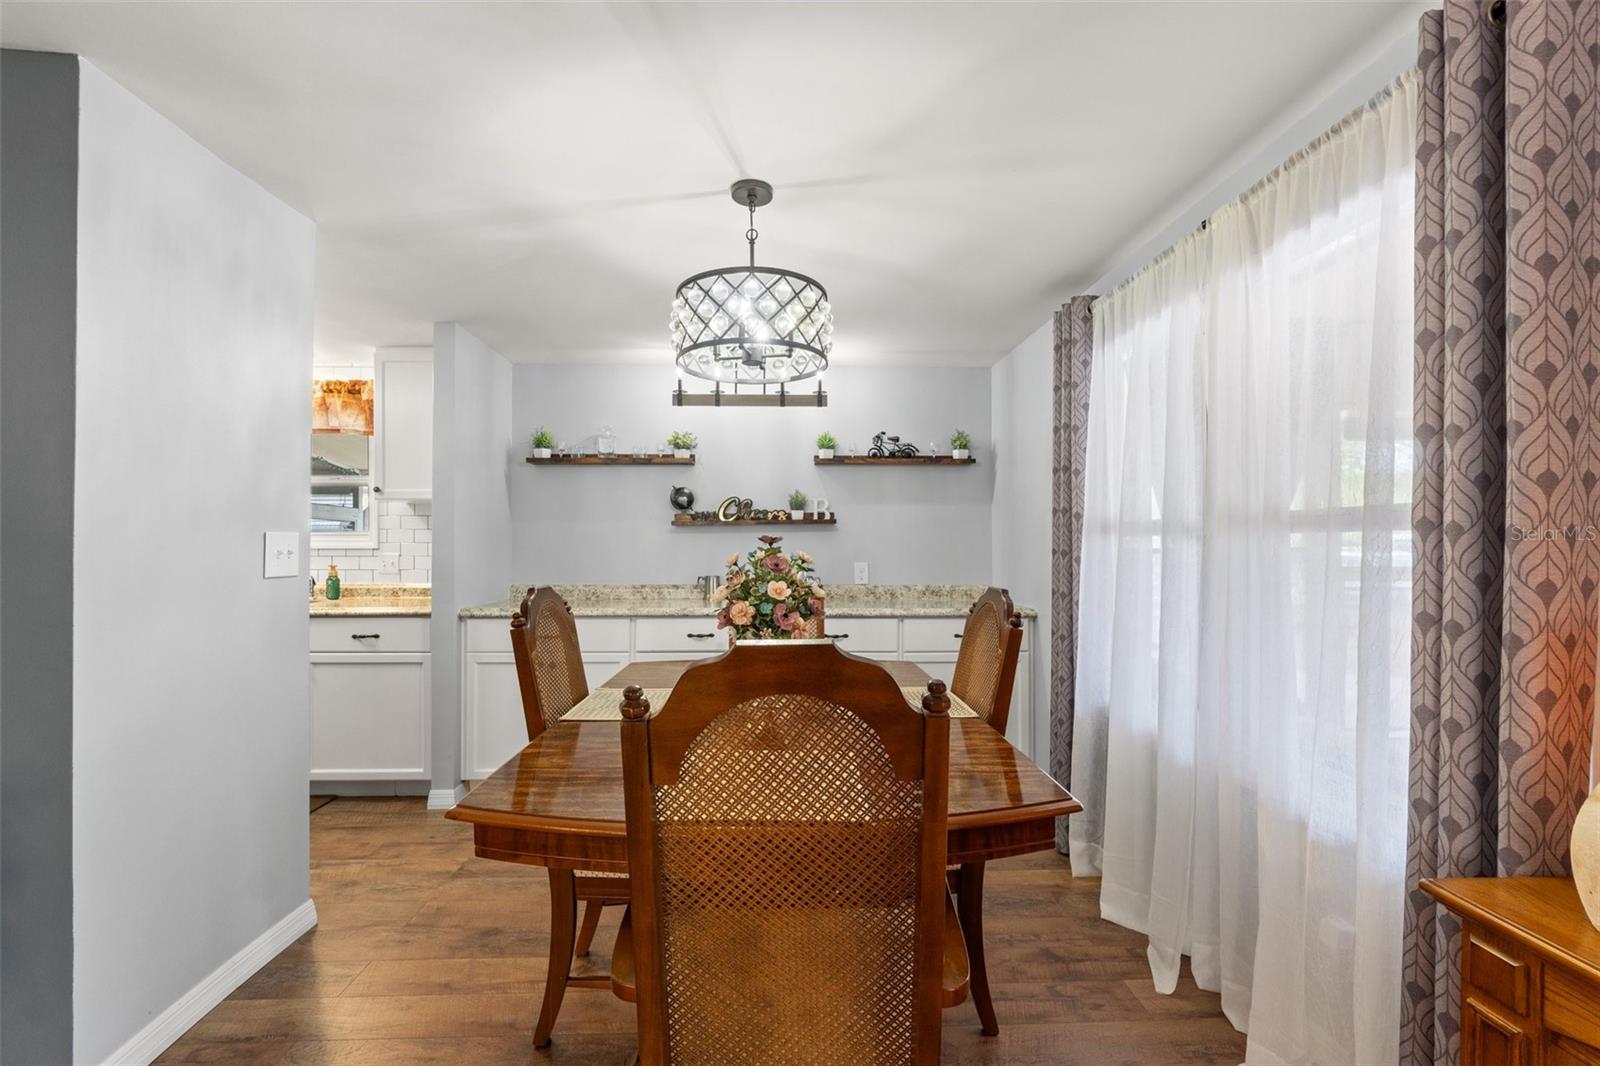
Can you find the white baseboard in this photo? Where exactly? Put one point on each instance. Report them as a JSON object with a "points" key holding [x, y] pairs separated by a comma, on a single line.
{"points": [[442, 799], [165, 1028]]}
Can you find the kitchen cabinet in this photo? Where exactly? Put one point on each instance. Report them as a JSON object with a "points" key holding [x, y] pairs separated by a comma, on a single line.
{"points": [[493, 728], [402, 469], [371, 699]]}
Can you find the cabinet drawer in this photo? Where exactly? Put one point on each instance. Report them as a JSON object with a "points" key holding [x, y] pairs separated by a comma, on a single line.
{"points": [[603, 634], [932, 634], [1497, 970], [369, 634], [1572, 1007], [865, 636], [693, 635]]}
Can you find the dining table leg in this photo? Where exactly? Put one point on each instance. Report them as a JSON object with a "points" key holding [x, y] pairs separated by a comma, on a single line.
{"points": [[563, 933], [969, 908]]}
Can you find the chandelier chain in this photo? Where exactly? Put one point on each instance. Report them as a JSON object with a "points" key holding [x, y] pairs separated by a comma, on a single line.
{"points": [[752, 233]]}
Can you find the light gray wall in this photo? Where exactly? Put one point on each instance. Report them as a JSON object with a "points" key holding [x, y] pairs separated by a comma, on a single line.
{"points": [[191, 711], [472, 387], [1023, 399], [38, 301], [611, 525]]}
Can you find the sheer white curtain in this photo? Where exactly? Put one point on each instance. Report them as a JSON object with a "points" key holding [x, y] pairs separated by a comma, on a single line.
{"points": [[1244, 644]]}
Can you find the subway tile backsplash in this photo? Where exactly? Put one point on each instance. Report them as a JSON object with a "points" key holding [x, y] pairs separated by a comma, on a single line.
{"points": [[405, 529]]}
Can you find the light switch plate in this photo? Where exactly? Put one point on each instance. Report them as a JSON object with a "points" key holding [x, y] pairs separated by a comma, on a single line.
{"points": [[281, 556], [861, 573]]}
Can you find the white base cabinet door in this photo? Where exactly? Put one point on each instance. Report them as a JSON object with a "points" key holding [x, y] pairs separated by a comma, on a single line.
{"points": [[370, 716], [494, 726]]}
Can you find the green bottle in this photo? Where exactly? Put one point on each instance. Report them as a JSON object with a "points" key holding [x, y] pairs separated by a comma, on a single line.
{"points": [[331, 589]]}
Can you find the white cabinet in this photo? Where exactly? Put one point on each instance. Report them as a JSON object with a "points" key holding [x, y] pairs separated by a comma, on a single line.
{"points": [[493, 728], [371, 699], [369, 716], [402, 469]]}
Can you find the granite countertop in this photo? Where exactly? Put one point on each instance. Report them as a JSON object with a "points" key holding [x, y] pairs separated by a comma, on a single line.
{"points": [[376, 601], [685, 601]]}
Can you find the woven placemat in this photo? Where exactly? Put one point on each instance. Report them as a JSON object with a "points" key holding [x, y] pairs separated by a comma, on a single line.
{"points": [[605, 704]]}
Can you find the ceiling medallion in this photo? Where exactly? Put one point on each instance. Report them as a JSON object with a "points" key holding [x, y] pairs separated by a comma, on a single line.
{"points": [[751, 325]]}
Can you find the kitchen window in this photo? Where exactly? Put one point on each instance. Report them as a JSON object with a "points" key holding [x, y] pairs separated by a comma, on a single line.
{"points": [[342, 509]]}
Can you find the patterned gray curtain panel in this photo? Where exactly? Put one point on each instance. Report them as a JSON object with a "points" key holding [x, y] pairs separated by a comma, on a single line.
{"points": [[1507, 495], [1073, 349]]}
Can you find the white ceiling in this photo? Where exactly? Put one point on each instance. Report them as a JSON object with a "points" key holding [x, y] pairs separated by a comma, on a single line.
{"points": [[545, 174]]}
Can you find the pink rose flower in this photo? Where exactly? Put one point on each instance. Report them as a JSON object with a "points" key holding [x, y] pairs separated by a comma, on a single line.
{"points": [[815, 605], [785, 620], [778, 590], [777, 564], [740, 613]]}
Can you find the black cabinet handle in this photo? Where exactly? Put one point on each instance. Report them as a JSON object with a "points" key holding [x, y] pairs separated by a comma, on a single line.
{"points": [[840, 636], [365, 636], [699, 636], [958, 636]]}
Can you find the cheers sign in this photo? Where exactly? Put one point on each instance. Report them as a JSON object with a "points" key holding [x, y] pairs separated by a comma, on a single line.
{"points": [[734, 508]]}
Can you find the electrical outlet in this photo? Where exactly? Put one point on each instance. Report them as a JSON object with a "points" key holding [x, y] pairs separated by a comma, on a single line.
{"points": [[861, 573], [280, 556], [389, 564]]}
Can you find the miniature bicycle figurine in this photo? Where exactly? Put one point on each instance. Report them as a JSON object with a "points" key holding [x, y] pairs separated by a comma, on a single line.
{"points": [[887, 447]]}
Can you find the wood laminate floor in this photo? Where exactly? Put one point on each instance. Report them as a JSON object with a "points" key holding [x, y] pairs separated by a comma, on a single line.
{"points": [[425, 954]]}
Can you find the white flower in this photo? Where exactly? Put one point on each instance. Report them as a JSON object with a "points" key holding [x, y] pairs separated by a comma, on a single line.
{"points": [[816, 590], [733, 560]]}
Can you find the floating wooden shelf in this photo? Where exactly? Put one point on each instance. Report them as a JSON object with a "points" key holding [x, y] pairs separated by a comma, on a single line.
{"points": [[707, 523], [883, 460], [612, 460]]}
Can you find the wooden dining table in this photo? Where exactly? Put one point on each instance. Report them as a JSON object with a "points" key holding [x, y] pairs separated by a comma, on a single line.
{"points": [[558, 803]]}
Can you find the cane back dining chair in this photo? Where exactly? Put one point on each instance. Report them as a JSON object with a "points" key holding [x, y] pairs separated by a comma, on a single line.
{"points": [[786, 818], [544, 644], [985, 676]]}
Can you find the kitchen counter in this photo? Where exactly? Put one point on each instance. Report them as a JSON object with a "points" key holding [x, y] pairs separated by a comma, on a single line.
{"points": [[685, 601], [376, 601]]}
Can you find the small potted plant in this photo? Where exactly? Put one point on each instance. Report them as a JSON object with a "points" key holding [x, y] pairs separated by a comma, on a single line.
{"points": [[825, 445], [797, 505], [960, 444], [682, 444], [542, 441]]}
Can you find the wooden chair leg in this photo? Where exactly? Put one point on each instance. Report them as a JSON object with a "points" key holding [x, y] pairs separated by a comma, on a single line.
{"points": [[591, 922], [563, 928], [969, 908]]}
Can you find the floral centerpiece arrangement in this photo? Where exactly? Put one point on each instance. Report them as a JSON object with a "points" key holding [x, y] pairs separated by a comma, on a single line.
{"points": [[768, 595]]}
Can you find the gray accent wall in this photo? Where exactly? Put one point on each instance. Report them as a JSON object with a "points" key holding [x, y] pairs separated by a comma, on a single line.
{"points": [[155, 726], [38, 329]]}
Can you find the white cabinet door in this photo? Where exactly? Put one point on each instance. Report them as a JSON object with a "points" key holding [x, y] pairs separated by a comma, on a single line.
{"points": [[403, 465], [941, 665], [370, 716], [601, 666], [493, 727], [1019, 726]]}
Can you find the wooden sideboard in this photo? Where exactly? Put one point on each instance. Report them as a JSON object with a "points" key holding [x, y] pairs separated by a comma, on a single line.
{"points": [[1530, 971]]}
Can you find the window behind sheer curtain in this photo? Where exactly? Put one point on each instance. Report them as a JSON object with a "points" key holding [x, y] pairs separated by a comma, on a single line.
{"points": [[1243, 676]]}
